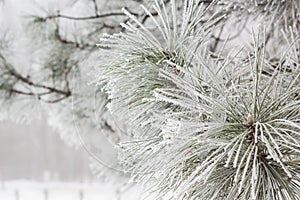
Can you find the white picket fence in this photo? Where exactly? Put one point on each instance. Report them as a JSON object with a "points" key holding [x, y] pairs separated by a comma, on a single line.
{"points": [[44, 195], [25, 190]]}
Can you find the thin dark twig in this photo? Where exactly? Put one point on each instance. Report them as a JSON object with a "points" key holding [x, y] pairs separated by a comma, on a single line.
{"points": [[217, 39], [111, 14], [39, 95], [29, 93], [27, 80], [55, 100], [70, 42], [95, 7]]}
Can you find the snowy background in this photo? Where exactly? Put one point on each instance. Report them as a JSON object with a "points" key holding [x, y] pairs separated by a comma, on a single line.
{"points": [[35, 164]]}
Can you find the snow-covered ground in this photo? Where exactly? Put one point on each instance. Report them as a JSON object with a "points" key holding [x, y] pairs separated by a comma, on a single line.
{"points": [[28, 190]]}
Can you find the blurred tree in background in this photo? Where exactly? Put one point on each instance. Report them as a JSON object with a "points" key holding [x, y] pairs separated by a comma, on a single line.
{"points": [[59, 37]]}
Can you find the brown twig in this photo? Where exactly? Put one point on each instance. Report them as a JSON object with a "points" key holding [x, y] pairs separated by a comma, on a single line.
{"points": [[97, 16], [26, 80]]}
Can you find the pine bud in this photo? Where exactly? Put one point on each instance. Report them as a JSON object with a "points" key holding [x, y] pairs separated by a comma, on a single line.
{"points": [[250, 119]]}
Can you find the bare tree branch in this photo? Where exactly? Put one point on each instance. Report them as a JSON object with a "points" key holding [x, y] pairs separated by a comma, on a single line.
{"points": [[98, 16], [26, 80]]}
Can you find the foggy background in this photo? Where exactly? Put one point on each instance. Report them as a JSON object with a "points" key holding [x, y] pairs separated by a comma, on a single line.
{"points": [[35, 164], [34, 151]]}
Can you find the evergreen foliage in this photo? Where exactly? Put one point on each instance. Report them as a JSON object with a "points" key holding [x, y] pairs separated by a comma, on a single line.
{"points": [[207, 124]]}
